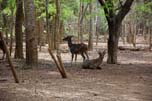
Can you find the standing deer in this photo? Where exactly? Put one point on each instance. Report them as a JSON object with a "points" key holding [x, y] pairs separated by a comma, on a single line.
{"points": [[94, 63], [76, 48]]}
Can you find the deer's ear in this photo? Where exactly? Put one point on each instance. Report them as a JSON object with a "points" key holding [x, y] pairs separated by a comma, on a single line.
{"points": [[99, 52], [104, 52]]}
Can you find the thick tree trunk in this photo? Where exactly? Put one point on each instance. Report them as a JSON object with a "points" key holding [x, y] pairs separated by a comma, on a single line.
{"points": [[113, 43], [31, 36], [114, 21], [18, 30]]}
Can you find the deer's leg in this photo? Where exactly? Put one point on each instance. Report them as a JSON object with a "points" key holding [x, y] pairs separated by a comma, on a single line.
{"points": [[75, 57], [72, 58], [72, 55], [83, 56], [86, 53], [3, 55]]}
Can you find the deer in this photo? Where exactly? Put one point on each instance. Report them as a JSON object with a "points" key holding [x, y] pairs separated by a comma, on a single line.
{"points": [[75, 49], [94, 63], [2, 47]]}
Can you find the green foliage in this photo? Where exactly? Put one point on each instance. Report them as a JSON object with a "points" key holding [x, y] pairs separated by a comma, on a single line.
{"points": [[104, 25], [67, 13], [10, 7], [144, 8], [144, 13]]}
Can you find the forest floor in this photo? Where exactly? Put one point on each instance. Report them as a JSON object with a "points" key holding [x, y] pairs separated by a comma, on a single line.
{"points": [[130, 80]]}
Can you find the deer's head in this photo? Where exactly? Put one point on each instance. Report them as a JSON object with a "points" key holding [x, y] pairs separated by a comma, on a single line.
{"points": [[67, 38], [101, 54]]}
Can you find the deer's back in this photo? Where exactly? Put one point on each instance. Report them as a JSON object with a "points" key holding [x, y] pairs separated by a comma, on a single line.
{"points": [[93, 63], [78, 48]]}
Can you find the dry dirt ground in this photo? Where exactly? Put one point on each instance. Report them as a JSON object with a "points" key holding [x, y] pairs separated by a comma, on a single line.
{"points": [[130, 80]]}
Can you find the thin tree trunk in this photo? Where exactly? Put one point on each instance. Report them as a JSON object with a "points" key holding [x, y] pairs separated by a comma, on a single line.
{"points": [[11, 31], [47, 25], [57, 31], [90, 42], [150, 39], [123, 33], [80, 22], [18, 30], [97, 35]]}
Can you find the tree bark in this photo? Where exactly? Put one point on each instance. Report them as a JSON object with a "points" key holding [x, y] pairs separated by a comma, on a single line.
{"points": [[11, 31], [31, 36], [47, 25], [57, 30], [113, 42], [90, 42], [150, 39], [114, 20], [18, 30]]}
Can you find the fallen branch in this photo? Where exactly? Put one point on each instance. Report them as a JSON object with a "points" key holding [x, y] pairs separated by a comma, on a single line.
{"points": [[9, 59], [62, 66], [130, 49], [58, 66]]}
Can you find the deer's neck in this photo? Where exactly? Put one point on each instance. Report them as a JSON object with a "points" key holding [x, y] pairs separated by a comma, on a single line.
{"points": [[69, 43]]}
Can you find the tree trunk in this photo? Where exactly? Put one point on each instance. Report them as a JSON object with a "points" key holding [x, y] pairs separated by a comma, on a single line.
{"points": [[150, 39], [90, 43], [47, 25], [114, 23], [31, 36], [18, 30], [57, 30], [11, 31], [113, 43], [80, 22]]}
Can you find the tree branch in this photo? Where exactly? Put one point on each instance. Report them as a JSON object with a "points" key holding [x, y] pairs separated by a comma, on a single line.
{"points": [[102, 3], [125, 9], [83, 13], [120, 5]]}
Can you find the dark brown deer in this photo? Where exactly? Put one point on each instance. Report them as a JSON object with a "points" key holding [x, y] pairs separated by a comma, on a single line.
{"points": [[77, 48], [94, 63], [2, 48]]}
